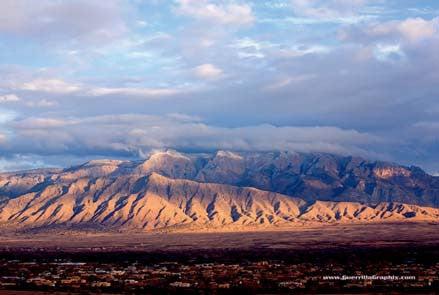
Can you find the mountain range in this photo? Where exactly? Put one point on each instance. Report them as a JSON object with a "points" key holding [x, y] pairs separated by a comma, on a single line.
{"points": [[219, 190]]}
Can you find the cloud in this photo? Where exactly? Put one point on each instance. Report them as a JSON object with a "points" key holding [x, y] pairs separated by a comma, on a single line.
{"points": [[42, 103], [48, 85], [416, 29], [318, 11], [6, 116], [248, 47], [92, 21], [131, 91], [20, 162], [388, 52], [129, 134], [287, 81], [39, 123], [230, 13], [9, 98], [84, 65], [55, 86], [141, 23], [411, 30], [207, 71]]}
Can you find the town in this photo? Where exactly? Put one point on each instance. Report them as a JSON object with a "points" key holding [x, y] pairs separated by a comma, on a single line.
{"points": [[251, 276]]}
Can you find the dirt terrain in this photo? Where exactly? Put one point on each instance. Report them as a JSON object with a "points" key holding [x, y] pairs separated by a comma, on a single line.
{"points": [[335, 235]]}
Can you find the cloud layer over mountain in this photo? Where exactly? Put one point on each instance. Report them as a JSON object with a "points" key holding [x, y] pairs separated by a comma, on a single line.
{"points": [[84, 79]]}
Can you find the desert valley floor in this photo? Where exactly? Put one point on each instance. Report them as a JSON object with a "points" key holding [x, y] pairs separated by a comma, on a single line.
{"points": [[299, 237]]}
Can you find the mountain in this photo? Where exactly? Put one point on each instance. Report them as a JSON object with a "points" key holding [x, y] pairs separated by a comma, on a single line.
{"points": [[171, 189], [307, 176], [154, 201]]}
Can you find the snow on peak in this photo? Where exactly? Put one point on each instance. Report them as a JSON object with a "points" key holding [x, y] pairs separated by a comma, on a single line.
{"points": [[227, 154], [169, 153], [101, 162]]}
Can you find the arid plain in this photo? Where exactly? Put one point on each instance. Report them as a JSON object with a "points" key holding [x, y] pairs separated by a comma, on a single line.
{"points": [[300, 237]]}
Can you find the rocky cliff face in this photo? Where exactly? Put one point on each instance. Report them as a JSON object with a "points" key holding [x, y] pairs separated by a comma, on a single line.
{"points": [[173, 189]]}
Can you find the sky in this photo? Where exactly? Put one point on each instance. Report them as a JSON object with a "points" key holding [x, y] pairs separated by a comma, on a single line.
{"points": [[85, 79]]}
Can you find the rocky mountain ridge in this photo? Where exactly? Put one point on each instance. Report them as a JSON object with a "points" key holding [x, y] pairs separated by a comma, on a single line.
{"points": [[156, 202], [308, 176], [171, 189]]}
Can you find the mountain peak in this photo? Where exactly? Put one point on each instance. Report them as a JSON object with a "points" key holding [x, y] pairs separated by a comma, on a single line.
{"points": [[102, 162], [228, 154], [168, 163], [219, 189], [308, 176], [166, 153]]}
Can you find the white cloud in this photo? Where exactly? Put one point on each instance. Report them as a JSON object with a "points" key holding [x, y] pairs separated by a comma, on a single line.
{"points": [[207, 71], [20, 162], [131, 133], [415, 29], [39, 123], [326, 10], [6, 116], [248, 47], [48, 85], [142, 23], [92, 21], [30, 103], [3, 138], [298, 51], [43, 103], [61, 87], [230, 13], [354, 89], [129, 91], [410, 30], [386, 51], [353, 19], [9, 98], [286, 81]]}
